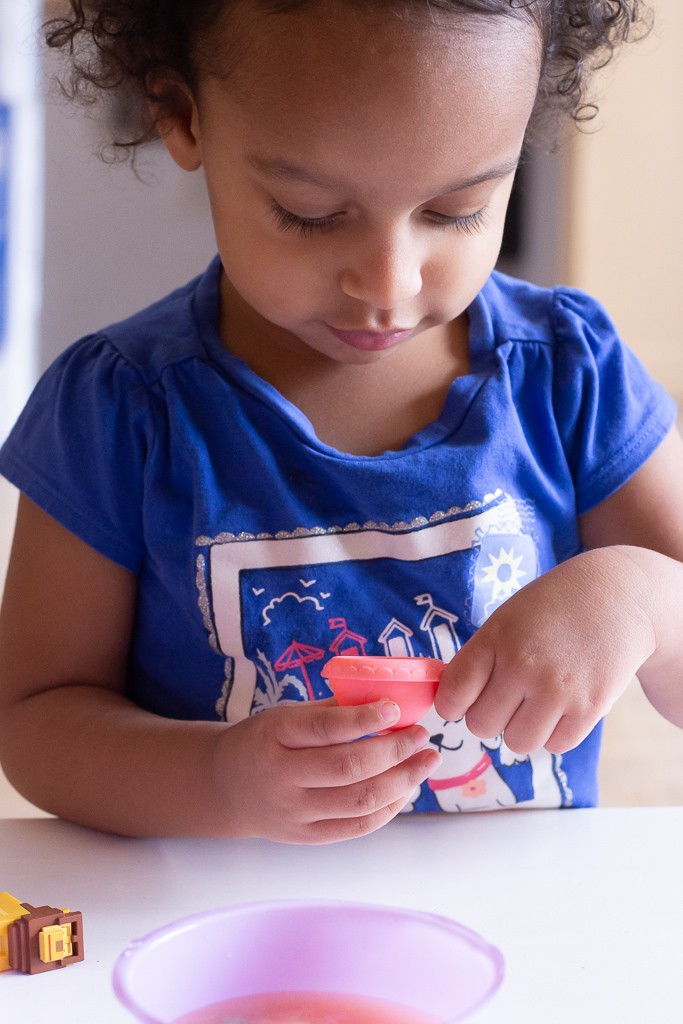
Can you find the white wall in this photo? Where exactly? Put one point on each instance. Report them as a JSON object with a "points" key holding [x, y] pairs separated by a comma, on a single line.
{"points": [[113, 243], [543, 259], [626, 224], [21, 163]]}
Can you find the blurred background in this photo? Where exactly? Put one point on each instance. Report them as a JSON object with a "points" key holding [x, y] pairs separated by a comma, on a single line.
{"points": [[84, 243]]}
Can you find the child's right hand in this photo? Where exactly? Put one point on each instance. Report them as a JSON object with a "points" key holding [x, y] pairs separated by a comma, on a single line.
{"points": [[291, 773]]}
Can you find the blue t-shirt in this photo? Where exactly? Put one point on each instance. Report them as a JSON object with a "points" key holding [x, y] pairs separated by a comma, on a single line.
{"points": [[261, 551]]}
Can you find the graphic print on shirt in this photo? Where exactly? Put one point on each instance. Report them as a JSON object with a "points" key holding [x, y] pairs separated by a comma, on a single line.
{"points": [[279, 607], [468, 779]]}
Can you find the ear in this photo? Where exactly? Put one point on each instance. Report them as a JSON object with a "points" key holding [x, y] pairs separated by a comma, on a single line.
{"points": [[179, 130]]}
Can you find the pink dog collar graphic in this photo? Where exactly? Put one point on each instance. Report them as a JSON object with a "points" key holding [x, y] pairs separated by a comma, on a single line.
{"points": [[461, 780]]}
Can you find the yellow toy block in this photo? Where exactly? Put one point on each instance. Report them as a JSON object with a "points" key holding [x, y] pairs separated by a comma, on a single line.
{"points": [[10, 910], [55, 942]]}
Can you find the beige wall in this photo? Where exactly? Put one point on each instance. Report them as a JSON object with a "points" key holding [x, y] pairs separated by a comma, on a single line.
{"points": [[626, 207]]}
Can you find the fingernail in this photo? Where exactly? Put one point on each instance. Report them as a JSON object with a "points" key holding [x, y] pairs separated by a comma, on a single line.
{"points": [[433, 761], [389, 712], [421, 737]]}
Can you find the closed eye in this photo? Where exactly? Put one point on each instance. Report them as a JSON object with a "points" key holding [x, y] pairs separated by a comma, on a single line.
{"points": [[287, 221], [437, 741], [470, 224]]}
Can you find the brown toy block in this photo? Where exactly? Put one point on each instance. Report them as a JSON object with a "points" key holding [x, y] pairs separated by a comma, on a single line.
{"points": [[44, 939]]}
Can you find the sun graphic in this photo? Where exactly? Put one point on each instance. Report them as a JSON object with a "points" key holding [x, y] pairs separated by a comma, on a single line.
{"points": [[504, 573]]}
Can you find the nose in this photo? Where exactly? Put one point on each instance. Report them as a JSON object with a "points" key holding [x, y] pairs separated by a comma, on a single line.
{"points": [[384, 276]]}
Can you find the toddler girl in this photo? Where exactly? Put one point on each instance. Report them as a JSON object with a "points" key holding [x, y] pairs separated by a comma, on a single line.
{"points": [[349, 436]]}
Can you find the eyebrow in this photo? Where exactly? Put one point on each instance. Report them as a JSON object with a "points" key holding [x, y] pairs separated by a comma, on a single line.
{"points": [[292, 172]]}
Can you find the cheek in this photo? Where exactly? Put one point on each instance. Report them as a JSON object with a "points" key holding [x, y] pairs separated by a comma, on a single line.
{"points": [[281, 276], [454, 274], [282, 282], [470, 258]]}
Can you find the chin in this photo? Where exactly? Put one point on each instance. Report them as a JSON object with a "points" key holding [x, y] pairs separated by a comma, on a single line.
{"points": [[357, 357]]}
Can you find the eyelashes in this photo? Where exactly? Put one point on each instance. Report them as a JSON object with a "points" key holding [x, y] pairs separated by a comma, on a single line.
{"points": [[287, 221], [470, 224]]}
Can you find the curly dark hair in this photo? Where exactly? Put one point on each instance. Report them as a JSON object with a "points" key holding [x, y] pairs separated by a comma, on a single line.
{"points": [[118, 47]]}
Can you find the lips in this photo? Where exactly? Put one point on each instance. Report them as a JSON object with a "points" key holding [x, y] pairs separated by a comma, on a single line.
{"points": [[372, 341]]}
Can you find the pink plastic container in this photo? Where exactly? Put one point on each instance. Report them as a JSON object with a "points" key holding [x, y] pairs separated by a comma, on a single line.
{"points": [[411, 682], [421, 961]]}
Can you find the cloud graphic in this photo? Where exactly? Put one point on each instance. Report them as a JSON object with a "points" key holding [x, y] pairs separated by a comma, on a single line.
{"points": [[278, 600]]}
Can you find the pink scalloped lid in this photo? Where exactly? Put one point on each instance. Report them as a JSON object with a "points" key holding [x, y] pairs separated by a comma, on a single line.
{"points": [[383, 668]]}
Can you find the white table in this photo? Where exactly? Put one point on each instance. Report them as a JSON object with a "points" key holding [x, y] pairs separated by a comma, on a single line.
{"points": [[587, 906]]}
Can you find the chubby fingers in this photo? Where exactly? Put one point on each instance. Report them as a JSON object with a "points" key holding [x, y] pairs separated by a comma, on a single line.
{"points": [[531, 724], [495, 699], [464, 679], [535, 707], [346, 764], [526, 706], [501, 684], [351, 811], [345, 788], [337, 830], [569, 732], [323, 723], [558, 726], [374, 794]]}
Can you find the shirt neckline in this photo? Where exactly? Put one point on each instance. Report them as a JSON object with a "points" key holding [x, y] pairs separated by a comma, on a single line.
{"points": [[460, 393]]}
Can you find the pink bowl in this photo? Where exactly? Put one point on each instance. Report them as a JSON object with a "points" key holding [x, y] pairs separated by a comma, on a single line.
{"points": [[418, 960], [410, 682]]}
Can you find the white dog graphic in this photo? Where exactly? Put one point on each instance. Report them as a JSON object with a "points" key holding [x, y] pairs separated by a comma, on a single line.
{"points": [[467, 779]]}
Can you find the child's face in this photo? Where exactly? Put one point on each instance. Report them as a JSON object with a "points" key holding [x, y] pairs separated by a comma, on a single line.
{"points": [[398, 137]]}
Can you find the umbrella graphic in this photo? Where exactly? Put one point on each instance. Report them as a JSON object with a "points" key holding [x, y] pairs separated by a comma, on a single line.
{"points": [[298, 656]]}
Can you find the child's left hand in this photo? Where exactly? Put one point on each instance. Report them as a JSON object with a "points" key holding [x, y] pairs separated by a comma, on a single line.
{"points": [[552, 660]]}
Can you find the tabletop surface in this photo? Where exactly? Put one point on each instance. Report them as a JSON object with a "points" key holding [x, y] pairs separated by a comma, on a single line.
{"points": [[586, 905]]}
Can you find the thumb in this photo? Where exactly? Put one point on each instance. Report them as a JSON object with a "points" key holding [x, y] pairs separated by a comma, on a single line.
{"points": [[464, 678]]}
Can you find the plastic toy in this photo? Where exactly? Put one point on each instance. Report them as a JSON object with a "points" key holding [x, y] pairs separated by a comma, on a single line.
{"points": [[410, 682], [426, 964], [38, 939]]}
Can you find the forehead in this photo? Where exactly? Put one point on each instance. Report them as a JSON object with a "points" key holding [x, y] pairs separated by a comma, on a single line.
{"points": [[362, 89]]}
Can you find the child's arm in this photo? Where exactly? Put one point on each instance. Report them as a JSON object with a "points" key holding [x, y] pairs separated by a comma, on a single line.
{"points": [[75, 745], [647, 515], [552, 660]]}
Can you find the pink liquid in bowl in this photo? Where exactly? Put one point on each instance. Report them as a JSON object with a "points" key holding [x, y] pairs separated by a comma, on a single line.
{"points": [[307, 1008]]}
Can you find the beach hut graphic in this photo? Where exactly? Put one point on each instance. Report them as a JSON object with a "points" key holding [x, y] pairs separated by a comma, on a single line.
{"points": [[347, 643], [298, 656], [395, 638], [440, 625]]}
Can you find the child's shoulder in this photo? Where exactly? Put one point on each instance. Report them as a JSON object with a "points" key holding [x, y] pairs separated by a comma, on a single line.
{"points": [[164, 334], [521, 311]]}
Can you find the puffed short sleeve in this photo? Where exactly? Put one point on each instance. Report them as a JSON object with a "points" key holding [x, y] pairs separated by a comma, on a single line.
{"points": [[610, 413], [79, 448]]}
